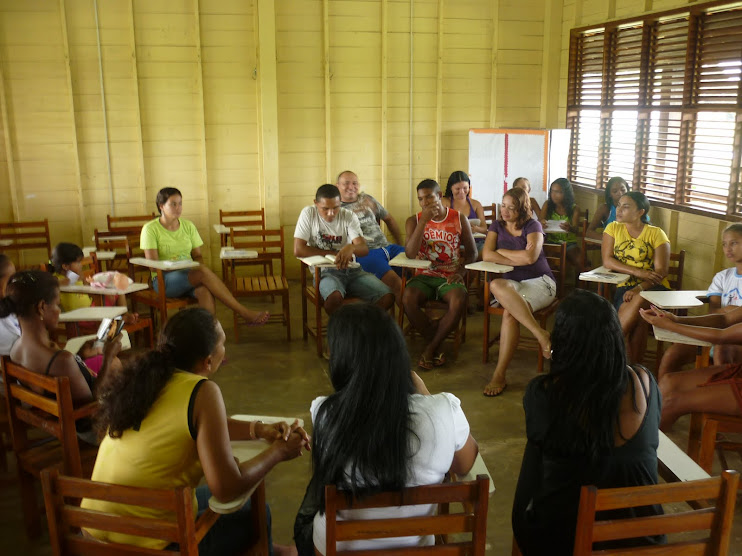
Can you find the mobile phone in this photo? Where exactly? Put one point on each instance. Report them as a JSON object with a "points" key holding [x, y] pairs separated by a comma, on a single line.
{"points": [[110, 328]]}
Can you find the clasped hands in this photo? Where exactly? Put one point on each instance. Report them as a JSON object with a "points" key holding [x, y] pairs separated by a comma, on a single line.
{"points": [[295, 437], [657, 317]]}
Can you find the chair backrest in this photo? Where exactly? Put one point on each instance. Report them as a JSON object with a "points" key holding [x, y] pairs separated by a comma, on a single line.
{"points": [[490, 213], [118, 223], [556, 256], [675, 270], [22, 236], [119, 244], [129, 226], [473, 497], [717, 520], [51, 410], [65, 517], [242, 218], [267, 243]]}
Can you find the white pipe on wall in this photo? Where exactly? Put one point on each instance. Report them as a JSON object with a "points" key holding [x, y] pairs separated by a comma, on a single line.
{"points": [[413, 193], [103, 106]]}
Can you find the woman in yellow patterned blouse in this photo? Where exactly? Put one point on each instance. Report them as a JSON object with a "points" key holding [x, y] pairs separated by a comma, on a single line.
{"points": [[632, 246]]}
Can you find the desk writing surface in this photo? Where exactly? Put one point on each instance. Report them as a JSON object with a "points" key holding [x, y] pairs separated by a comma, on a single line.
{"points": [[164, 265], [663, 335], [604, 275], [90, 290], [92, 313], [489, 267], [682, 299], [5, 242], [401, 260], [479, 235], [679, 464]]}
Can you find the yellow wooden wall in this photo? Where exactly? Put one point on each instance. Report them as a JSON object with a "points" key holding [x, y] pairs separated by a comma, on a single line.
{"points": [[248, 103]]}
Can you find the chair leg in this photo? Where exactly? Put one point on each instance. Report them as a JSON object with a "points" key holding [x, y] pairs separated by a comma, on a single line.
{"points": [[318, 324], [486, 345], [304, 314], [708, 443], [287, 315], [694, 435], [236, 328], [30, 505]]}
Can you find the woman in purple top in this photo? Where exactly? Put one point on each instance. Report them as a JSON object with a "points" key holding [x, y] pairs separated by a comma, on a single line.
{"points": [[517, 240]]}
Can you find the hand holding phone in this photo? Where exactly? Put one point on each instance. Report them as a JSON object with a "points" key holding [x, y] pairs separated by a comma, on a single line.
{"points": [[110, 328]]}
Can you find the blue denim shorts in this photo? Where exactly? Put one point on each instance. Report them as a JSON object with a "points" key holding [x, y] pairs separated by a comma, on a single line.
{"points": [[352, 282], [176, 284]]}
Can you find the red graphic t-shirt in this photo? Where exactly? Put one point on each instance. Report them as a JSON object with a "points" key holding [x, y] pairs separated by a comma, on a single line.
{"points": [[440, 245]]}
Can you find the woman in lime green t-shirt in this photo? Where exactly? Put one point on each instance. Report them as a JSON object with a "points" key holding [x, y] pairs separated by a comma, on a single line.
{"points": [[632, 246], [171, 237]]}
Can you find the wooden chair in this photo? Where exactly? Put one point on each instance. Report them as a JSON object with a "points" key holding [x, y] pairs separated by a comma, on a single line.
{"points": [[105, 240], [472, 519], [20, 237], [270, 247], [490, 213], [66, 518], [53, 412], [159, 304], [717, 520], [243, 220], [128, 224], [310, 295], [556, 256], [704, 439], [675, 278], [435, 308]]}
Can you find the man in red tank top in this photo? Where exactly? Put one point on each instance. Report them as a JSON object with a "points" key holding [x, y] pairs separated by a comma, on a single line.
{"points": [[437, 234]]}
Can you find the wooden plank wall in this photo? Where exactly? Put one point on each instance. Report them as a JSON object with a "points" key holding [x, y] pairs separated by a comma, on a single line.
{"points": [[700, 236], [243, 103], [248, 103]]}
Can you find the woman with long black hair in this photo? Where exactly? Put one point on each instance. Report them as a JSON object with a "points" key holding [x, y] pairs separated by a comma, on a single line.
{"points": [[381, 429], [166, 426], [592, 420]]}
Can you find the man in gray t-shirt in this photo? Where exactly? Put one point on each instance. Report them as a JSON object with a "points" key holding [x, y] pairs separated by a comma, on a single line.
{"points": [[370, 213], [328, 229]]}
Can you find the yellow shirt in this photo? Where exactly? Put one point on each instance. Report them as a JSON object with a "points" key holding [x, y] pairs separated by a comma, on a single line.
{"points": [[161, 454], [636, 251], [72, 301]]}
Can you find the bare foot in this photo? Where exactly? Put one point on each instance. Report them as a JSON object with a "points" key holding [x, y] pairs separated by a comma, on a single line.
{"points": [[257, 319], [494, 389], [544, 341]]}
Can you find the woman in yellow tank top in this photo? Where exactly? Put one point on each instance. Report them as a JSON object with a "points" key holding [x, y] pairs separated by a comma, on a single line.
{"points": [[166, 425]]}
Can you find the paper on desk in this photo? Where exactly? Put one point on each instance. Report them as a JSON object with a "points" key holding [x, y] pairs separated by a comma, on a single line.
{"points": [[666, 336], [554, 227], [325, 260], [402, 260], [602, 274]]}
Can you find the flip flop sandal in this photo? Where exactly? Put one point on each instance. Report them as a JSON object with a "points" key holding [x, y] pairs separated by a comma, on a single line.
{"points": [[439, 360], [498, 390], [425, 364]]}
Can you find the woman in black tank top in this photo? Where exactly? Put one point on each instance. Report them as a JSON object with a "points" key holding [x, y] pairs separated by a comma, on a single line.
{"points": [[592, 420], [33, 296]]}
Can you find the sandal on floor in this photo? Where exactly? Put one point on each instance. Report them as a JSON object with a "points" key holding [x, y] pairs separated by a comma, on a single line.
{"points": [[496, 391], [425, 364], [439, 360]]}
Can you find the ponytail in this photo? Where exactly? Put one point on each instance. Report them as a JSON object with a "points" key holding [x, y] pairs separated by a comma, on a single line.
{"points": [[7, 307], [128, 396]]}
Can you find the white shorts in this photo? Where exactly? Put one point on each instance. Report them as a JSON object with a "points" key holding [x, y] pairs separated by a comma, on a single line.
{"points": [[538, 292]]}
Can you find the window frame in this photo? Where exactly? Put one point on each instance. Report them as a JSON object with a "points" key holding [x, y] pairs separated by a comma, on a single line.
{"points": [[656, 94]]}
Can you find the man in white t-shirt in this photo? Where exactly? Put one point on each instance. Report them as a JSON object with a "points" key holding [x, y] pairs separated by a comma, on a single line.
{"points": [[326, 228]]}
